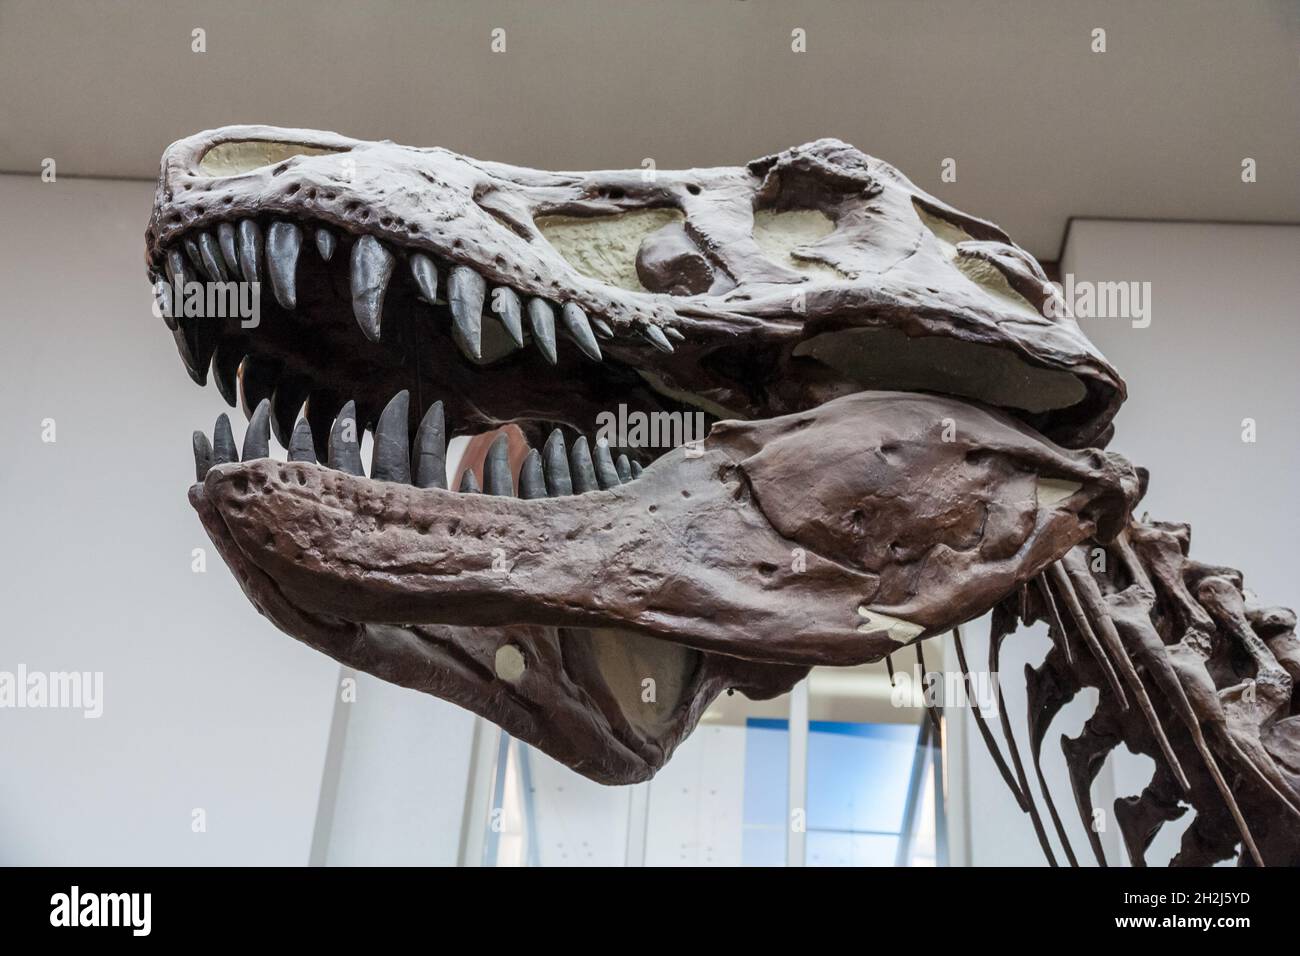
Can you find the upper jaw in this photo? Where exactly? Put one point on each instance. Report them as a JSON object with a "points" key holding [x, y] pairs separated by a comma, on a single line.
{"points": [[894, 272]]}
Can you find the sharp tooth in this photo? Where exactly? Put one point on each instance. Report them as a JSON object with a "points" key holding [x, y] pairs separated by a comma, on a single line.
{"points": [[162, 291], [202, 456], [257, 439], [656, 337], [176, 267], [390, 459], [345, 442], [187, 355], [541, 319], [196, 342], [508, 309], [300, 444], [283, 242], [372, 267], [229, 251], [250, 250], [673, 333], [325, 243], [606, 473], [425, 274], [225, 370], [532, 482], [496, 468], [257, 380], [575, 320], [212, 260], [637, 469], [602, 328], [223, 442], [556, 460], [431, 450], [465, 292], [286, 402], [624, 466], [468, 483], [196, 258], [581, 468], [322, 406]]}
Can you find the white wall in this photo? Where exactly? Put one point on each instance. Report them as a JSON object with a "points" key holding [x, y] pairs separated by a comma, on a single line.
{"points": [[1221, 347], [206, 704]]}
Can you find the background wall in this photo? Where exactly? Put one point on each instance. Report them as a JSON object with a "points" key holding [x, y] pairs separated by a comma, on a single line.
{"points": [[1221, 347], [206, 705]]}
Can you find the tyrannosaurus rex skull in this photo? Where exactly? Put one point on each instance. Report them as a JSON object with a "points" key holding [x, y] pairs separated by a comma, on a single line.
{"points": [[900, 438]]}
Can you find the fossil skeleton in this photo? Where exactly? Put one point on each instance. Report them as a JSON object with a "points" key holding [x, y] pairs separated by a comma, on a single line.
{"points": [[903, 437]]}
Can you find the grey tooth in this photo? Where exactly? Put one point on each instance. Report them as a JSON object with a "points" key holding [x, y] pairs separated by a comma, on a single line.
{"points": [[581, 469], [602, 328], [162, 291], [202, 456], [637, 469], [510, 312], [211, 255], [372, 267], [496, 468], [229, 250], [656, 337], [465, 292], [250, 250], [390, 459], [325, 243], [300, 444], [541, 319], [606, 473], [345, 450], [673, 333], [624, 466], [425, 274], [556, 459], [283, 242], [532, 481], [257, 439], [575, 320], [431, 450], [286, 402], [225, 371], [176, 265], [196, 258], [468, 483], [223, 442]]}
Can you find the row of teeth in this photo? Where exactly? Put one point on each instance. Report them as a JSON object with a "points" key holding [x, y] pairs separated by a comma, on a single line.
{"points": [[554, 471], [241, 251]]}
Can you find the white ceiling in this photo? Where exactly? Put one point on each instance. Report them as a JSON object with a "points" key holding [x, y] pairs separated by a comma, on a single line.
{"points": [[1042, 129]]}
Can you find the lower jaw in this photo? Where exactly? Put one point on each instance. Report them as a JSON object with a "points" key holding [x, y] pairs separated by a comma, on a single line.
{"points": [[571, 702]]}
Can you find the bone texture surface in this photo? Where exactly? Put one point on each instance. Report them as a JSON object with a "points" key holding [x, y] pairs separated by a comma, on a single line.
{"points": [[866, 428]]}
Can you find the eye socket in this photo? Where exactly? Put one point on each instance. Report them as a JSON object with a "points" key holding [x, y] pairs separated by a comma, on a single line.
{"points": [[604, 248], [245, 155]]}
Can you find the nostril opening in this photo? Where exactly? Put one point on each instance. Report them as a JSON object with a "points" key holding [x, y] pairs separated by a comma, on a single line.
{"points": [[693, 189]]}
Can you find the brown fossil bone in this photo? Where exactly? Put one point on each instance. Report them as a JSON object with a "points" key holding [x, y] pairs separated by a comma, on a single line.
{"points": [[896, 435]]}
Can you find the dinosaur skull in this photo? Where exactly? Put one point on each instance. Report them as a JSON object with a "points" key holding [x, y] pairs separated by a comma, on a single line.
{"points": [[901, 436]]}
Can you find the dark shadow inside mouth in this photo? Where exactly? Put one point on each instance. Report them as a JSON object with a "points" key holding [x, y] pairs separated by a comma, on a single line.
{"points": [[317, 353]]}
